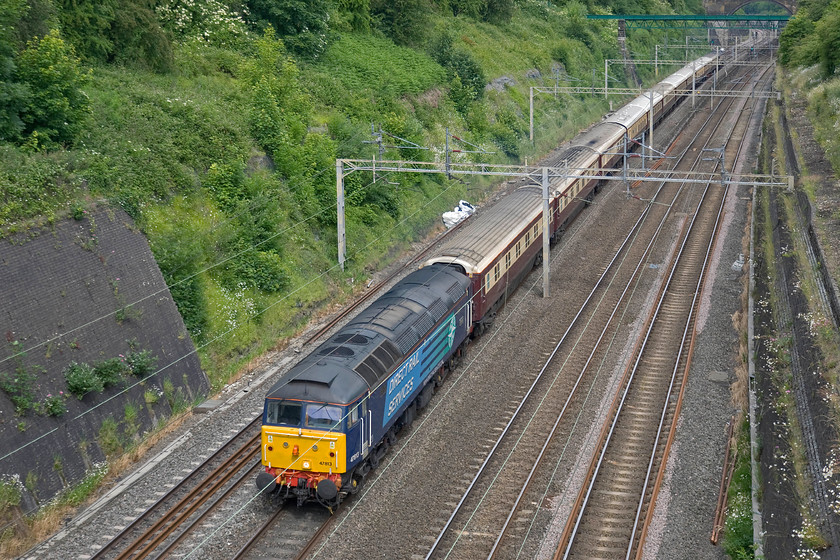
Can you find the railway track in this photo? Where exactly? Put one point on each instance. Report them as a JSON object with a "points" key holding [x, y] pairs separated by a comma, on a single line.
{"points": [[614, 508], [165, 522], [549, 410]]}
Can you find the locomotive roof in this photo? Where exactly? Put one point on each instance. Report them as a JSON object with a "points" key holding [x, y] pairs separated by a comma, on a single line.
{"points": [[368, 348]]}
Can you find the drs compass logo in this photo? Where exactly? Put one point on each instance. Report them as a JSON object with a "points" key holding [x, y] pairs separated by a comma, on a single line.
{"points": [[411, 374]]}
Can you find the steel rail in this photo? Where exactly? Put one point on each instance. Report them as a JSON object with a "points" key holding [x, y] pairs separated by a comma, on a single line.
{"points": [[528, 479], [581, 503], [249, 544], [516, 413], [678, 406], [165, 525], [243, 477], [190, 478]]}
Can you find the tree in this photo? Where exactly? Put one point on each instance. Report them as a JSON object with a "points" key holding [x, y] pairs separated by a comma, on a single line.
{"points": [[404, 21], [828, 32], [12, 94], [57, 107], [123, 31], [302, 24]]}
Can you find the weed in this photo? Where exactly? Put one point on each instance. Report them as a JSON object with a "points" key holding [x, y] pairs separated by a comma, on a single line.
{"points": [[141, 363], [151, 396], [10, 491], [82, 379], [131, 426], [20, 385], [110, 371], [53, 405], [109, 439]]}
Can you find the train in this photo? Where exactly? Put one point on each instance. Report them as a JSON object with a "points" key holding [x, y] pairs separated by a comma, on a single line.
{"points": [[330, 420]]}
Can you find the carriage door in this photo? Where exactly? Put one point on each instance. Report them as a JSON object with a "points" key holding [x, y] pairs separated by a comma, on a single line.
{"points": [[367, 426]]}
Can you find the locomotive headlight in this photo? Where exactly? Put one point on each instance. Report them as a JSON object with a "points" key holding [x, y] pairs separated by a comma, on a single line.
{"points": [[307, 465], [286, 444]]}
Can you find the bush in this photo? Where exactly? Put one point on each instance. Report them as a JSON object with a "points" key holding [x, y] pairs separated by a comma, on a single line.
{"points": [[301, 23], [82, 379], [54, 405], [141, 363], [19, 387], [110, 372], [57, 107]]}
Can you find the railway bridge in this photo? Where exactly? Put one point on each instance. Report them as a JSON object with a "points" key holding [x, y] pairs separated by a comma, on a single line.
{"points": [[729, 7]]}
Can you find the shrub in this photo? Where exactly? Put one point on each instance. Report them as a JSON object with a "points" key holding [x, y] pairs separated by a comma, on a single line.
{"points": [[141, 363], [82, 379], [301, 23], [54, 405], [110, 372], [19, 386]]}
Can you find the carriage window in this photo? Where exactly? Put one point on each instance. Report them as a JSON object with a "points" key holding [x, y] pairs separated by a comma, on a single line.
{"points": [[527, 238], [487, 283], [536, 230], [283, 412], [322, 416], [518, 249], [496, 273], [507, 261]]}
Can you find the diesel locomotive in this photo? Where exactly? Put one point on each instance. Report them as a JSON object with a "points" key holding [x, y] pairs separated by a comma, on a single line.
{"points": [[332, 417]]}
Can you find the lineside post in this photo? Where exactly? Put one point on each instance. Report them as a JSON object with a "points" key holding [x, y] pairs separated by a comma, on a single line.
{"points": [[531, 112], [339, 195], [606, 70]]}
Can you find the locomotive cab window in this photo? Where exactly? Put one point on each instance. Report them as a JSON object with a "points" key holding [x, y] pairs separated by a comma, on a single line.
{"points": [[283, 412], [323, 416]]}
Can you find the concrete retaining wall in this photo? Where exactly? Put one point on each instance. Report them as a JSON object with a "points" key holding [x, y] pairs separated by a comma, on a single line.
{"points": [[60, 290]]}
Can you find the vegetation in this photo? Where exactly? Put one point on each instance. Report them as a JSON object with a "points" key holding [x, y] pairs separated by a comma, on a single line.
{"points": [[216, 126], [812, 37]]}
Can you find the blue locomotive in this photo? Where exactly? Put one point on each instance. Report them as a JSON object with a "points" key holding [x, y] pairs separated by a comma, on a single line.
{"points": [[330, 420]]}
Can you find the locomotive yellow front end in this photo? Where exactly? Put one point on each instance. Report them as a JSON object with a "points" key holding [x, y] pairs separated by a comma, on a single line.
{"points": [[303, 461]]}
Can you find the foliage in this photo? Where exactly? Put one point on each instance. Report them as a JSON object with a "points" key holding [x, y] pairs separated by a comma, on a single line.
{"points": [[13, 94], [141, 363], [82, 379], [109, 437], [57, 107], [209, 21], [53, 405], [110, 371], [352, 15], [404, 21], [369, 63], [302, 24], [467, 80], [11, 491], [122, 31], [20, 385], [813, 36], [738, 537]]}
